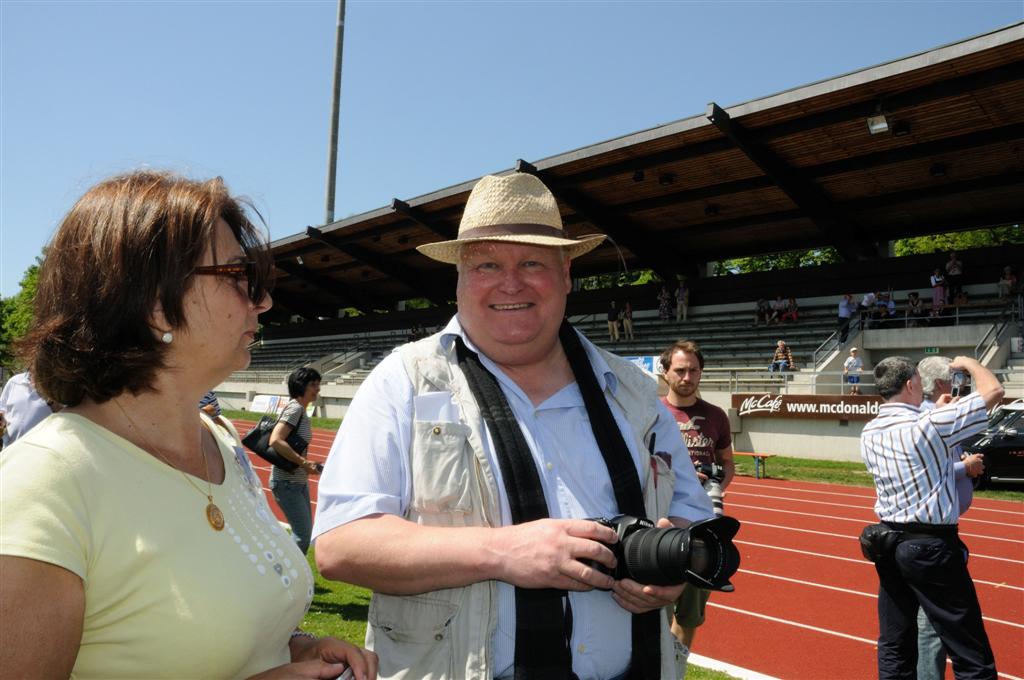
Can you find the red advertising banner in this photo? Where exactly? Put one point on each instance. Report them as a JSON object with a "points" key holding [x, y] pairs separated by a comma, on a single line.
{"points": [[819, 407]]}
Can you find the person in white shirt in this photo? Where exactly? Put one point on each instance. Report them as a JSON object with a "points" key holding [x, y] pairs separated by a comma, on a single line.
{"points": [[21, 407], [852, 368]]}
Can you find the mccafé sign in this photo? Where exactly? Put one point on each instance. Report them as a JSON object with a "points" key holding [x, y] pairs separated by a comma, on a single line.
{"points": [[819, 407]]}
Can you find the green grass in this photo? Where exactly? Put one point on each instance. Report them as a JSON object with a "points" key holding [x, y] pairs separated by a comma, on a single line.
{"points": [[339, 609], [324, 423], [841, 472]]}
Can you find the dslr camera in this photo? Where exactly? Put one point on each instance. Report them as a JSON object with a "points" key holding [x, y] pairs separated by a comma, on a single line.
{"points": [[713, 471], [702, 554]]}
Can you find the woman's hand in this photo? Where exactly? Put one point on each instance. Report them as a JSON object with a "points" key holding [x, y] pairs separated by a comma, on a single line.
{"points": [[310, 467], [325, 658]]}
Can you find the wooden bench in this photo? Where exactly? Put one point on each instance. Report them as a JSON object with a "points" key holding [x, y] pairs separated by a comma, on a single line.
{"points": [[760, 462]]}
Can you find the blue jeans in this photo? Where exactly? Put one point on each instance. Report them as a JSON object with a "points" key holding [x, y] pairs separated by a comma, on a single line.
{"points": [[779, 366], [293, 499], [931, 655]]}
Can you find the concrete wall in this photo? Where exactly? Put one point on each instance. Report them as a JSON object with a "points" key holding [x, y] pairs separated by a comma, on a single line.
{"points": [[796, 437], [333, 402]]}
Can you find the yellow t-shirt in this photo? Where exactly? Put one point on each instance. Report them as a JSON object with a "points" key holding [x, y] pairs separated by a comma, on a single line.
{"points": [[165, 595]]}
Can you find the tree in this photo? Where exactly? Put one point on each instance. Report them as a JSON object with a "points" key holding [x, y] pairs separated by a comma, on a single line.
{"points": [[773, 261], [959, 240], [16, 313]]}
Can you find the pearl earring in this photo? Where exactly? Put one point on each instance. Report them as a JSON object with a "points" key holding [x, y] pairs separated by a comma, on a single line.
{"points": [[166, 338]]}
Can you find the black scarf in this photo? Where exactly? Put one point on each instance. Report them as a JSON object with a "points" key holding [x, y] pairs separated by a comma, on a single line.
{"points": [[543, 625]]}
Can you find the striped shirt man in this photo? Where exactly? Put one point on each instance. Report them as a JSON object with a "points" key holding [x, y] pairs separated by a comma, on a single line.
{"points": [[907, 450]]}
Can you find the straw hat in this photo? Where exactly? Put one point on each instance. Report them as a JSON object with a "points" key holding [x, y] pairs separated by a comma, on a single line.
{"points": [[514, 208]]}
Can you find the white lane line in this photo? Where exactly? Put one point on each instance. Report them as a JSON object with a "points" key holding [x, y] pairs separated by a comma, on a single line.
{"points": [[808, 583], [816, 629], [869, 508], [873, 596], [859, 521], [974, 555], [787, 622], [696, 659], [803, 531], [860, 561], [978, 503]]}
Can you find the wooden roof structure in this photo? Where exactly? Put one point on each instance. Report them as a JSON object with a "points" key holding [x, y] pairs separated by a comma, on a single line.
{"points": [[794, 170]]}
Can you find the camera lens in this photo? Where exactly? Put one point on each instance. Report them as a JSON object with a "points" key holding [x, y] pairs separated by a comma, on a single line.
{"points": [[655, 556], [702, 554]]}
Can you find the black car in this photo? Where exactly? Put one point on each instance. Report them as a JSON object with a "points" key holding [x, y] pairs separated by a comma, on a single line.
{"points": [[1002, 442]]}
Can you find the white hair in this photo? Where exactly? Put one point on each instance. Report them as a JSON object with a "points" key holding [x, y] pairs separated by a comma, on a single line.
{"points": [[931, 370]]}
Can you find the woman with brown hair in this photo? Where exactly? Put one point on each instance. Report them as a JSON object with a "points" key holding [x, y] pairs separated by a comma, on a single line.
{"points": [[137, 540]]}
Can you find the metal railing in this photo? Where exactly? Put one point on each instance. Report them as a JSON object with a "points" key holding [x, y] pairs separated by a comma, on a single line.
{"points": [[989, 340], [832, 343]]}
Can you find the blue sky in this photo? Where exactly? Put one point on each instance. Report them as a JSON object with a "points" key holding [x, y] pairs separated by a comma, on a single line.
{"points": [[433, 93]]}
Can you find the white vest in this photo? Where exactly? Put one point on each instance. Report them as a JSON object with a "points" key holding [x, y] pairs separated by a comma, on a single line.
{"points": [[447, 633]]}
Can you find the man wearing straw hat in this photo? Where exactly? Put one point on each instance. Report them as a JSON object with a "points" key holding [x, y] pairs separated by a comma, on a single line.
{"points": [[459, 482]]}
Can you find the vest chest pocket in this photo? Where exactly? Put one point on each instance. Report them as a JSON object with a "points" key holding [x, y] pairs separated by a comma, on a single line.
{"points": [[441, 465]]}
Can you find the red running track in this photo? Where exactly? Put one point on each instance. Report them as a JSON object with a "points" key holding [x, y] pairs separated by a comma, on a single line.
{"points": [[805, 600]]}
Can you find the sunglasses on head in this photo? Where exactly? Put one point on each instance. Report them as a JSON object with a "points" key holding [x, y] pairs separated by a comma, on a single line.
{"points": [[256, 287]]}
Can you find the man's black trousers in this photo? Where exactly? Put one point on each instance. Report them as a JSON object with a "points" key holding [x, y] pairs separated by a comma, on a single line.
{"points": [[931, 571]]}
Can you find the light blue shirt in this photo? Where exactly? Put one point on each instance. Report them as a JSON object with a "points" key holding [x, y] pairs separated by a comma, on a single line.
{"points": [[22, 406], [964, 485], [367, 473]]}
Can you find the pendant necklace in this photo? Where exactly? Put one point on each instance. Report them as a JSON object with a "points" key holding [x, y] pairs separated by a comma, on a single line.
{"points": [[213, 514]]}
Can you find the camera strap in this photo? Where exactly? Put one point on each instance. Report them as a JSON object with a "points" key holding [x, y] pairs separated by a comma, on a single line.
{"points": [[543, 626]]}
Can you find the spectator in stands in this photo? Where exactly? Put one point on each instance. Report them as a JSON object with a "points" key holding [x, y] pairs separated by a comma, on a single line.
{"points": [[782, 360], [762, 311], [436, 492], [664, 304], [954, 276], [613, 323], [1007, 284], [791, 311], [291, 489], [627, 319], [682, 299], [852, 368], [938, 282], [867, 306], [909, 452], [936, 383], [130, 523], [961, 299], [915, 310], [22, 407], [846, 309], [778, 308], [708, 437]]}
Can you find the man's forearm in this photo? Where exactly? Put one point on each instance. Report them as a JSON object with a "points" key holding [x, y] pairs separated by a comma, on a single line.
{"points": [[391, 555]]}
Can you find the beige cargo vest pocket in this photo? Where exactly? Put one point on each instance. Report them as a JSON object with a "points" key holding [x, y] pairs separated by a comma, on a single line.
{"points": [[412, 634], [442, 493]]}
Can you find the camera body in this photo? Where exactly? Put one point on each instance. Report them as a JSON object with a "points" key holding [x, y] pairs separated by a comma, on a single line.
{"points": [[713, 471], [956, 383], [702, 554]]}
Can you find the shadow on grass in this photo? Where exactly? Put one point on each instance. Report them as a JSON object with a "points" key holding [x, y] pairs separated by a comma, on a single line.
{"points": [[350, 611]]}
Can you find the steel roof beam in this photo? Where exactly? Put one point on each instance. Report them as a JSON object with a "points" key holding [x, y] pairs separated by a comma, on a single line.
{"points": [[803, 193], [372, 259], [326, 285], [659, 258], [418, 216]]}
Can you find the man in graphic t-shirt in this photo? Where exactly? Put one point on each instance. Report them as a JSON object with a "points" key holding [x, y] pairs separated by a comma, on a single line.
{"points": [[705, 430]]}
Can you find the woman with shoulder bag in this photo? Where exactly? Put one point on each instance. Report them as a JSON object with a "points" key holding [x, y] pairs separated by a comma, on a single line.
{"points": [[291, 489]]}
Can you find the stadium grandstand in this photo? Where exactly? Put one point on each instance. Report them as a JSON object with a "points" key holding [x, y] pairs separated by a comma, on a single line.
{"points": [[927, 144]]}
